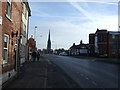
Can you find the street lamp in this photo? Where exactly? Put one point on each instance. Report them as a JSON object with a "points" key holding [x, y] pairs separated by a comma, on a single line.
{"points": [[35, 36], [35, 32]]}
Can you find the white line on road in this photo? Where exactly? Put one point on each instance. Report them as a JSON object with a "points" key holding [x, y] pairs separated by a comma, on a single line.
{"points": [[94, 83], [49, 61], [87, 78]]}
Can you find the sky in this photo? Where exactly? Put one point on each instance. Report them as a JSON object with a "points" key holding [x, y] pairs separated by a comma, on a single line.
{"points": [[70, 21]]}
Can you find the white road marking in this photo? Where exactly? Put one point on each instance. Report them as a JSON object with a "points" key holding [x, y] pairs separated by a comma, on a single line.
{"points": [[87, 78], [94, 83], [49, 61]]}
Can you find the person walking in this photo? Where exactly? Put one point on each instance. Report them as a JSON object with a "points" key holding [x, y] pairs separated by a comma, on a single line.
{"points": [[34, 56], [38, 56]]}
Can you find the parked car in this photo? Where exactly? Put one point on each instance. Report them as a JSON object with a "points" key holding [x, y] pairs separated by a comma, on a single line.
{"points": [[63, 53]]}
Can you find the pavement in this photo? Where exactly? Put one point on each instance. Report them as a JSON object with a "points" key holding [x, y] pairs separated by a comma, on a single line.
{"points": [[101, 59], [41, 74]]}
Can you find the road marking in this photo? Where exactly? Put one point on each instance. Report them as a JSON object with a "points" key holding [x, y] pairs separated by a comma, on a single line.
{"points": [[49, 61], [94, 83], [87, 78]]}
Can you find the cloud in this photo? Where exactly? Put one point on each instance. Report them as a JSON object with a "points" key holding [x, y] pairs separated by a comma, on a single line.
{"points": [[98, 1], [65, 32], [79, 8]]}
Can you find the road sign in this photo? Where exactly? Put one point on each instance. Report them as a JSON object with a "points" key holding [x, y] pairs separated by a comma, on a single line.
{"points": [[0, 19]]}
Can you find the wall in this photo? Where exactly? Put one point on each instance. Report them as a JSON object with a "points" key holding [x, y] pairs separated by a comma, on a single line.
{"points": [[0, 47], [24, 47], [11, 25]]}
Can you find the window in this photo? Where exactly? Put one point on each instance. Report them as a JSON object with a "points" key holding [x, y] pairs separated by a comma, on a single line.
{"points": [[25, 14], [113, 36], [6, 41], [8, 8], [24, 27]]}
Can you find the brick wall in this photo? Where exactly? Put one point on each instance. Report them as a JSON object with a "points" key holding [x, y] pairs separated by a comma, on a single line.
{"points": [[9, 26], [0, 47], [91, 43], [114, 45]]}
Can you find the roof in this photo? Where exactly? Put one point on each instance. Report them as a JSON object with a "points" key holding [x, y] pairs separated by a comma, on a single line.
{"points": [[79, 46], [114, 32]]}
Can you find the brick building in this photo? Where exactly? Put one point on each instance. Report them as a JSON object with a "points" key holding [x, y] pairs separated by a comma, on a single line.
{"points": [[101, 42], [24, 32], [11, 37], [105, 43], [113, 43], [31, 47], [1, 59], [11, 25], [91, 44]]}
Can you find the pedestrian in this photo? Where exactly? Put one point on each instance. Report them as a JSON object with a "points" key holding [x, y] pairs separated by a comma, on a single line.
{"points": [[30, 57], [34, 56], [38, 56]]}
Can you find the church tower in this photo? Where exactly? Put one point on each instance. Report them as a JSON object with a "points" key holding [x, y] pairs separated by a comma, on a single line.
{"points": [[49, 44]]}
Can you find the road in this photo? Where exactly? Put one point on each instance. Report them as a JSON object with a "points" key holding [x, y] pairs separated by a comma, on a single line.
{"points": [[88, 73]]}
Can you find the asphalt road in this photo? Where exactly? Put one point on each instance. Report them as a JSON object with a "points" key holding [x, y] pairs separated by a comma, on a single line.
{"points": [[88, 73]]}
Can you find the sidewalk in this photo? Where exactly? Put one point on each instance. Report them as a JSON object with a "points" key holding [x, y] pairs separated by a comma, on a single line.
{"points": [[42, 74], [106, 60]]}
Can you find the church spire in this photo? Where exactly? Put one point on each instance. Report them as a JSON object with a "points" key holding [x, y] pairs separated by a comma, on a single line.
{"points": [[49, 35], [49, 43]]}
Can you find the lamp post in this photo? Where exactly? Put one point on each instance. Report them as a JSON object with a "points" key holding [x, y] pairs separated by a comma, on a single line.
{"points": [[35, 36], [35, 32]]}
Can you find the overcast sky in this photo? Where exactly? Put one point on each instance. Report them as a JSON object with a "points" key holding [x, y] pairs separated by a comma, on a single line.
{"points": [[70, 21]]}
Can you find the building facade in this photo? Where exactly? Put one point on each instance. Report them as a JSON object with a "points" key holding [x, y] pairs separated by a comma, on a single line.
{"points": [[114, 44], [1, 58], [81, 49], [105, 43], [91, 43], [11, 25], [101, 38], [11, 36], [31, 47], [24, 32]]}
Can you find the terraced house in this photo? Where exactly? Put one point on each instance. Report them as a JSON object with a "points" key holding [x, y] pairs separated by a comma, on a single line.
{"points": [[24, 32], [11, 37]]}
